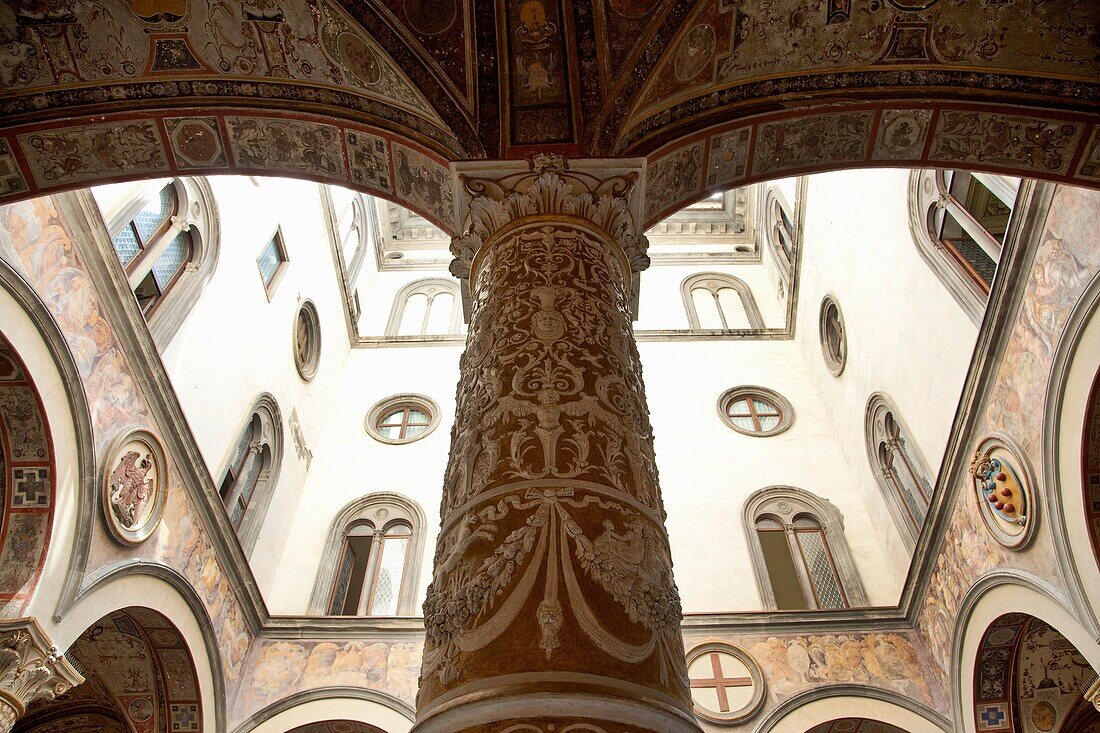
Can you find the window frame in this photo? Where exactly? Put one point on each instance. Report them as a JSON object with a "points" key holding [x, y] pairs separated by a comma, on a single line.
{"points": [[401, 401], [424, 286], [284, 261], [382, 511], [927, 193], [878, 406], [263, 427], [763, 394], [714, 282], [307, 367], [835, 363], [196, 213], [784, 505]]}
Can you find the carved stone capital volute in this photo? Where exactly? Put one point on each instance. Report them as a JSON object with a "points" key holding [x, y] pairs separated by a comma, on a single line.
{"points": [[30, 669], [549, 189]]}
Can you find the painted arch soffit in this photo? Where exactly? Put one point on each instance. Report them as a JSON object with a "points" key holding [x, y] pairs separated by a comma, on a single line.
{"points": [[832, 44], [290, 53]]}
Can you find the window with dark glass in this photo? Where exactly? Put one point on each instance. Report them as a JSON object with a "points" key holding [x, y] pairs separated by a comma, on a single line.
{"points": [[371, 572], [153, 247]]}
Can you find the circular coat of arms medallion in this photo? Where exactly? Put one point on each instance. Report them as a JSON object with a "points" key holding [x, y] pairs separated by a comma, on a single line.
{"points": [[134, 486]]}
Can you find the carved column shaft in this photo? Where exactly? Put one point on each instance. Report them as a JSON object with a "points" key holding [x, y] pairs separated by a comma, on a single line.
{"points": [[552, 602]]}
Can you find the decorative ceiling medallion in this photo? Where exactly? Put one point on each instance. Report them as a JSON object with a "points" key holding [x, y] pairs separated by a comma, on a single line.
{"points": [[1003, 488], [727, 685], [134, 486]]}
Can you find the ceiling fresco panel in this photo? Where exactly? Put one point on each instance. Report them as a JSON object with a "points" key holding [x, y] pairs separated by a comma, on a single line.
{"points": [[288, 52]]}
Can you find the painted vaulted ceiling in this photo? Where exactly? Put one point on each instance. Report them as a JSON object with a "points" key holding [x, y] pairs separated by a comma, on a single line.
{"points": [[377, 92]]}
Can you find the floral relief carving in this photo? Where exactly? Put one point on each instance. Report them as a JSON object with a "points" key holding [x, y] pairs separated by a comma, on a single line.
{"points": [[552, 517]]}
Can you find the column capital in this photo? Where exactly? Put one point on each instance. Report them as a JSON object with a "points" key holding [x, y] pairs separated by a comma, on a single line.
{"points": [[603, 194], [30, 669]]}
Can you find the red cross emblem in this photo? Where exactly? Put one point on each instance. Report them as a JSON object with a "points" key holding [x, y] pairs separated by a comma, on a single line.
{"points": [[719, 682]]}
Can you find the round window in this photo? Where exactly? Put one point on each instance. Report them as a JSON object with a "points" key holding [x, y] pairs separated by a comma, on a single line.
{"points": [[755, 411], [834, 342], [307, 340], [402, 419]]}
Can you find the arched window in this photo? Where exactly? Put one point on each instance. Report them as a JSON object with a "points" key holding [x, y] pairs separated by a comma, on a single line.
{"points": [[252, 470], [351, 225], [780, 228], [834, 338], [425, 308], [371, 561], [164, 234], [898, 466], [714, 300], [959, 220], [796, 542]]}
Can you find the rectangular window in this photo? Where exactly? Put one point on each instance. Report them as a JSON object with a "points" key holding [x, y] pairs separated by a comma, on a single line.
{"points": [[272, 261]]}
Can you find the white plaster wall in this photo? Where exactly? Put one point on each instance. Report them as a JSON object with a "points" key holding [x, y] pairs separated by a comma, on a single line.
{"points": [[907, 337], [348, 463], [708, 470], [236, 344]]}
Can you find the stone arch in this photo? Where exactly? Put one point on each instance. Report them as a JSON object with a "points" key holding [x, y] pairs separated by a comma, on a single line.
{"points": [[162, 591], [997, 596], [28, 482], [40, 344], [821, 705], [721, 152], [139, 675], [378, 709], [1072, 381], [421, 178]]}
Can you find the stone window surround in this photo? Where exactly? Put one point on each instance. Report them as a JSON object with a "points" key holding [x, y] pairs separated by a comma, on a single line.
{"points": [[774, 197], [770, 502], [786, 410], [877, 406], [927, 190], [835, 365], [307, 368], [271, 435], [382, 407], [397, 313], [397, 508], [199, 213], [699, 280], [284, 262]]}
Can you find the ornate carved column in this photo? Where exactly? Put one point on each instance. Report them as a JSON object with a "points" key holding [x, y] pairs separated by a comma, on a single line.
{"points": [[30, 670], [552, 602]]}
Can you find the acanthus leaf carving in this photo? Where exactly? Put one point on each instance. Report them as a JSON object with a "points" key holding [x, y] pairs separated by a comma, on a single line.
{"points": [[30, 670]]}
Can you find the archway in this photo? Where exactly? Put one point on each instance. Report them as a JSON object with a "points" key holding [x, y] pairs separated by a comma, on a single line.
{"points": [[336, 726], [139, 678], [28, 477], [1029, 677], [855, 725]]}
